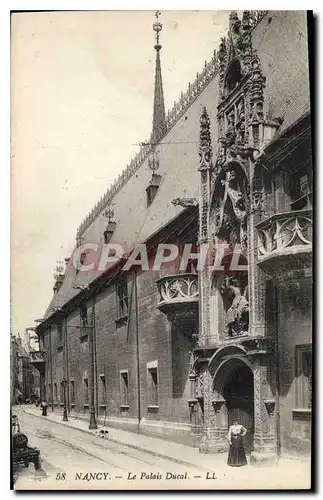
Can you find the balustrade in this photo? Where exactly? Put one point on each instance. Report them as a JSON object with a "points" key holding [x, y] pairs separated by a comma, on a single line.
{"points": [[37, 356], [285, 240], [283, 231], [178, 299]]}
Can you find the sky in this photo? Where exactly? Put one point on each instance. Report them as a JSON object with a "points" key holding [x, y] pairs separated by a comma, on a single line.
{"points": [[81, 101]]}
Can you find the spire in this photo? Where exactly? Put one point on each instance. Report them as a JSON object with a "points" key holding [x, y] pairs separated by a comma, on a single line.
{"points": [[159, 119], [205, 150]]}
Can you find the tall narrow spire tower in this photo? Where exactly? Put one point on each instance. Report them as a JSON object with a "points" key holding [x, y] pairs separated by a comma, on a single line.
{"points": [[159, 119]]}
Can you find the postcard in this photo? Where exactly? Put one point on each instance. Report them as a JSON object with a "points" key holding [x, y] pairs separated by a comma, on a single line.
{"points": [[161, 249]]}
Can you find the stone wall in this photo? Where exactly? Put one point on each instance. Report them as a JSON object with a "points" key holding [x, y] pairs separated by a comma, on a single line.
{"points": [[295, 328]]}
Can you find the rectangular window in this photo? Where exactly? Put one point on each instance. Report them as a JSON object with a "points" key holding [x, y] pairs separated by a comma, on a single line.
{"points": [[303, 364], [152, 375], [122, 298], [124, 382], [55, 393], [50, 393], [300, 191], [86, 391], [72, 392]]}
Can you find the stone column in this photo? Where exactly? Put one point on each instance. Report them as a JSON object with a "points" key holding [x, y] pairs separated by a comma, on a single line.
{"points": [[264, 438], [204, 306], [216, 311], [205, 169], [215, 430], [256, 276], [206, 383], [219, 437], [193, 409]]}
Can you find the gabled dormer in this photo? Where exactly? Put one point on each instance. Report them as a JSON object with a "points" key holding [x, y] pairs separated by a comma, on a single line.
{"points": [[152, 188], [110, 228]]}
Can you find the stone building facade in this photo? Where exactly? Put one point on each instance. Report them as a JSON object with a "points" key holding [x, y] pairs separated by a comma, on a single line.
{"points": [[22, 376], [181, 351]]}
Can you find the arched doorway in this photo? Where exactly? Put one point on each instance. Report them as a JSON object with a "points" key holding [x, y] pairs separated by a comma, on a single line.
{"points": [[233, 384], [238, 393]]}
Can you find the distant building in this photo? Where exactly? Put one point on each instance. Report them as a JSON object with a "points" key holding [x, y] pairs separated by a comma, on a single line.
{"points": [[22, 372], [180, 352], [36, 382], [13, 368]]}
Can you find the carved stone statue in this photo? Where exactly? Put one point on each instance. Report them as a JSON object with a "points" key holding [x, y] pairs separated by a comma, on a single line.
{"points": [[230, 132], [230, 210], [234, 191], [237, 315]]}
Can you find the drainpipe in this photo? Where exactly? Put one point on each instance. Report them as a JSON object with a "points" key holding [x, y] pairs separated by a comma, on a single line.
{"points": [[92, 424], [137, 351], [66, 374], [277, 374], [51, 366], [95, 359]]}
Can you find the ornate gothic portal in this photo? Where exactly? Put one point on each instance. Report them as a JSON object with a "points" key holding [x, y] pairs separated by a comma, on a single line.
{"points": [[233, 353], [238, 394]]}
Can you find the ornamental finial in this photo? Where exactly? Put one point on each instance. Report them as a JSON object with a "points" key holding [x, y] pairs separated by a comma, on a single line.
{"points": [[157, 27], [159, 117], [205, 149]]}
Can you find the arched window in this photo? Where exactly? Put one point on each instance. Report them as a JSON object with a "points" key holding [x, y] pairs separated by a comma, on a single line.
{"points": [[233, 75]]}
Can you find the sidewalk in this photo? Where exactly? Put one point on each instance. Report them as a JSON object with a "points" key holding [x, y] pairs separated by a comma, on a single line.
{"points": [[179, 453], [287, 468]]}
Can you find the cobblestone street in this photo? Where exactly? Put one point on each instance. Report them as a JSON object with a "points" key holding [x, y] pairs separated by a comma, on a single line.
{"points": [[75, 458]]}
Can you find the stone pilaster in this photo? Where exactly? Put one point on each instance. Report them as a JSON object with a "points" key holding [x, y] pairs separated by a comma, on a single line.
{"points": [[264, 438], [215, 429], [256, 276], [216, 312], [206, 381], [205, 169]]}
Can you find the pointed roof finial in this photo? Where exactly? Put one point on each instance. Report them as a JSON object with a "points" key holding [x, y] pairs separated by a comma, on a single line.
{"points": [[159, 116], [205, 149], [157, 27]]}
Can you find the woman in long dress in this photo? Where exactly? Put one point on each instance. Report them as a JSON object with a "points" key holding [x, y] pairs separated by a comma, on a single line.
{"points": [[237, 455]]}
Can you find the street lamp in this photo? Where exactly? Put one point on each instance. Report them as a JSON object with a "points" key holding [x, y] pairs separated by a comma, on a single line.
{"points": [[42, 320], [65, 418], [92, 423]]}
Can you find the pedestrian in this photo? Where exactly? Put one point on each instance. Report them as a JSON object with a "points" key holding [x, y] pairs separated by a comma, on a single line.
{"points": [[237, 455], [43, 407]]}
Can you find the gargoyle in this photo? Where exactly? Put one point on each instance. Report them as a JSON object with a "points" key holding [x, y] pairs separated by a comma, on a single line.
{"points": [[185, 202]]}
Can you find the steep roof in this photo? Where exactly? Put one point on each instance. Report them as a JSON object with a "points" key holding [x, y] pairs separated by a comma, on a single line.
{"points": [[283, 55]]}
